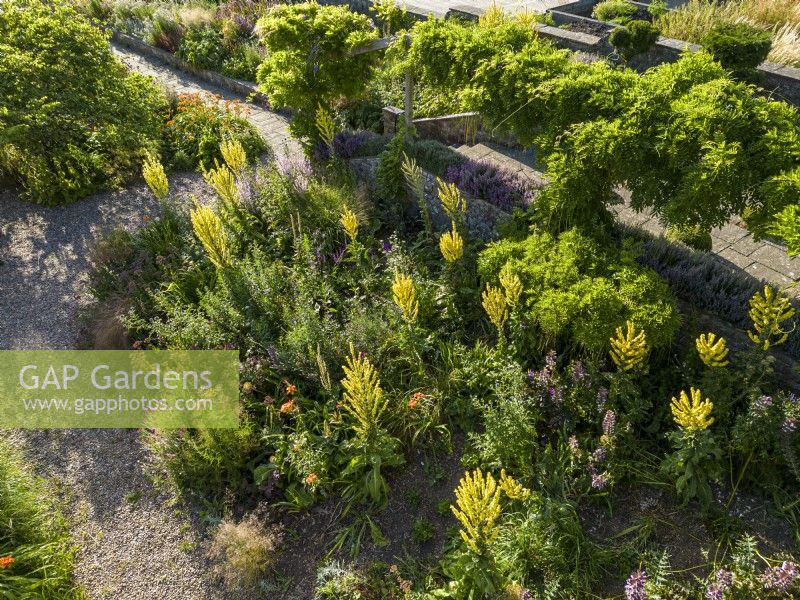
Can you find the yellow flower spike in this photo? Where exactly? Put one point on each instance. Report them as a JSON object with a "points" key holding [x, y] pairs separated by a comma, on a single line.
{"points": [[325, 126], [768, 311], [477, 509], [405, 296], [712, 351], [494, 303], [349, 222], [512, 488], [451, 245], [452, 201], [208, 229], [511, 284], [224, 184], [692, 414], [629, 349], [155, 177], [363, 396], [234, 155]]}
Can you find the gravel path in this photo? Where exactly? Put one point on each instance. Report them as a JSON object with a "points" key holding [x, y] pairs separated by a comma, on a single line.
{"points": [[134, 542]]}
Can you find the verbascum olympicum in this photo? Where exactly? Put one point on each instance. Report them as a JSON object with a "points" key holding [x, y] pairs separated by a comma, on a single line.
{"points": [[234, 155], [209, 230], [349, 222], [712, 351], [629, 349], [477, 509], [494, 303], [451, 245], [405, 297], [692, 413], [454, 204], [768, 311], [325, 127], [155, 177], [512, 488], [363, 396], [511, 284], [222, 180]]}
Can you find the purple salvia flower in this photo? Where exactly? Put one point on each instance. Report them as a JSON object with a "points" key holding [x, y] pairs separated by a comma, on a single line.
{"points": [[714, 592], [599, 456], [578, 372], [789, 425], [600, 481], [387, 246], [525, 595], [339, 255], [724, 578], [602, 398], [634, 587], [762, 404], [781, 578], [573, 444], [609, 423]]}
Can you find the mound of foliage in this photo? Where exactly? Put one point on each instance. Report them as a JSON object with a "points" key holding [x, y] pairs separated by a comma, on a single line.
{"points": [[73, 119], [35, 554]]}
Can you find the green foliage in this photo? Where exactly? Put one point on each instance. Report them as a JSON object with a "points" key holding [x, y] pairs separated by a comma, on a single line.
{"points": [[787, 227], [33, 533], [393, 18], [636, 37], [198, 126], [694, 464], [389, 175], [657, 8], [738, 46], [614, 11], [693, 236], [73, 120], [202, 47], [308, 63], [578, 293]]}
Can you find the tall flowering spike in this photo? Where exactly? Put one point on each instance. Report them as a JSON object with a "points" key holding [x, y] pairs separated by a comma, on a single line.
{"points": [[768, 311], [222, 180], [512, 488], [635, 586], [494, 303], [712, 351], [511, 284], [452, 201], [451, 244], [477, 509], [349, 223], [363, 396], [404, 294], [692, 414], [234, 155], [325, 126], [208, 229], [155, 177], [415, 180], [629, 349]]}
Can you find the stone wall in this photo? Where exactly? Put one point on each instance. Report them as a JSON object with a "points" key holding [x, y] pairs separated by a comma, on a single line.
{"points": [[457, 129]]}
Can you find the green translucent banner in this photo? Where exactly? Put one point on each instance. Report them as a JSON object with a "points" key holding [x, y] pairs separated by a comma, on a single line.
{"points": [[159, 389]]}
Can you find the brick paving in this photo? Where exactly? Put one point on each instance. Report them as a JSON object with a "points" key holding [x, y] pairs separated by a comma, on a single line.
{"points": [[732, 244]]}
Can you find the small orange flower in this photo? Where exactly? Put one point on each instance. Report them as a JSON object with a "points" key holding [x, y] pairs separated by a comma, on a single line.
{"points": [[415, 399], [311, 479], [288, 407], [7, 561], [291, 389]]}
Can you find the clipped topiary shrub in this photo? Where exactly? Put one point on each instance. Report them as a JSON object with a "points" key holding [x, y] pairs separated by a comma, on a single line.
{"points": [[73, 119], [738, 46], [634, 38], [614, 11]]}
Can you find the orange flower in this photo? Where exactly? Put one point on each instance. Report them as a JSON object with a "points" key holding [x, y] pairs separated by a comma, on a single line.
{"points": [[290, 388], [288, 407], [311, 479], [414, 402], [7, 561]]}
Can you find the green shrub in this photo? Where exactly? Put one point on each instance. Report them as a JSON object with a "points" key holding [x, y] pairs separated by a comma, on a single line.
{"points": [[33, 533], [242, 63], [634, 38], [738, 46], [307, 62], [657, 8], [198, 125], [202, 47], [392, 17], [389, 175], [72, 118], [695, 237], [614, 11], [578, 293]]}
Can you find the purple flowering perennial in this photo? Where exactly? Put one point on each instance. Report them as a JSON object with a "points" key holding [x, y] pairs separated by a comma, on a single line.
{"points": [[491, 184], [634, 587], [781, 578]]}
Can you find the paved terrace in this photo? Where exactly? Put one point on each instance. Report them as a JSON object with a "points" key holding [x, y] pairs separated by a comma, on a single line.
{"points": [[439, 8]]}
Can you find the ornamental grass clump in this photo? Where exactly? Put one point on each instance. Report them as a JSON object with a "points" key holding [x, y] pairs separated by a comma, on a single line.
{"points": [[768, 311], [155, 177], [209, 230], [404, 294], [629, 349], [697, 455], [713, 352]]}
